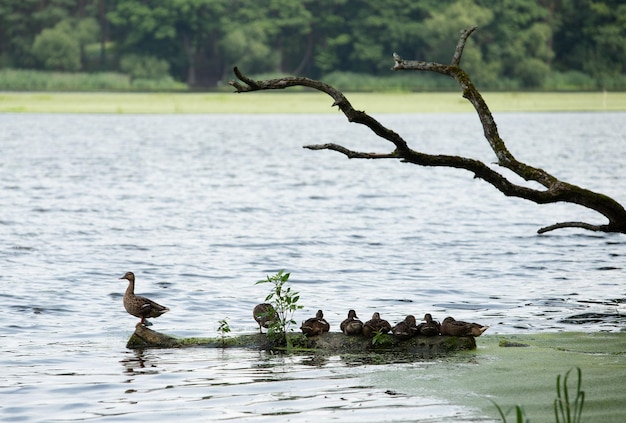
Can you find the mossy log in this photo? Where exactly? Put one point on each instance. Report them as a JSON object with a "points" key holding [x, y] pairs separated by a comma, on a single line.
{"points": [[331, 343]]}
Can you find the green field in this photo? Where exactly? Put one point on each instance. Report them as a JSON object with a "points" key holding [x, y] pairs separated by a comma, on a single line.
{"points": [[300, 102]]}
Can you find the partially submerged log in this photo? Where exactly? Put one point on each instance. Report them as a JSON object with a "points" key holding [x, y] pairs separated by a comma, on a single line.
{"points": [[331, 343]]}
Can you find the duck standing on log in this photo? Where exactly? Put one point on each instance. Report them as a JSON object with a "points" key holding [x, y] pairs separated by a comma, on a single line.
{"points": [[139, 306], [452, 327], [352, 325], [375, 325], [265, 315], [315, 325]]}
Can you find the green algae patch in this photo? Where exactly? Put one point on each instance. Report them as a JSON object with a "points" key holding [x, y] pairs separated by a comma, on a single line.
{"points": [[522, 369]]}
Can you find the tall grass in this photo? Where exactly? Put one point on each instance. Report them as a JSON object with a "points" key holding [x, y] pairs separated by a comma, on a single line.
{"points": [[567, 409], [405, 82], [395, 82], [34, 80]]}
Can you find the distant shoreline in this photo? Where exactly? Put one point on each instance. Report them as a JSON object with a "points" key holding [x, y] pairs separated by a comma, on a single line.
{"points": [[302, 102]]}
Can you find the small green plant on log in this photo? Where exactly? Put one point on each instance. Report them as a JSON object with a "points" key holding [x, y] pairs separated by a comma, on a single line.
{"points": [[565, 411], [381, 339], [223, 329], [285, 303]]}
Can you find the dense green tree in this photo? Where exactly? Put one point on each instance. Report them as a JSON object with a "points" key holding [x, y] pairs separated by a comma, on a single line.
{"points": [[518, 40], [84, 30], [23, 20], [146, 67], [248, 47], [198, 31], [380, 28], [57, 50], [592, 38], [288, 26], [519, 43], [208, 37], [439, 34], [20, 22], [272, 36], [329, 40], [184, 32]]}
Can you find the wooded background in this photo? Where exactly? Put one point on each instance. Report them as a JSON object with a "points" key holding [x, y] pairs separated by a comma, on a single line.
{"points": [[520, 44]]}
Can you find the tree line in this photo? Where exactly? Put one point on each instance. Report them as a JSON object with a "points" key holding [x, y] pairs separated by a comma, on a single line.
{"points": [[520, 44]]}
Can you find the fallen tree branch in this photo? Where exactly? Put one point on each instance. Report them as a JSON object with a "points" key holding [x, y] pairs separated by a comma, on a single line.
{"points": [[351, 154], [582, 225], [555, 190]]}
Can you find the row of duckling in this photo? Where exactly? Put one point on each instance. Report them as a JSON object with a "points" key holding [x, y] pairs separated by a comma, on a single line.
{"points": [[407, 328]]}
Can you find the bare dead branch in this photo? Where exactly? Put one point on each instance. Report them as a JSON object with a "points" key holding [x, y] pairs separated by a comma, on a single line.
{"points": [[555, 190], [351, 154], [340, 101], [582, 225], [458, 52]]}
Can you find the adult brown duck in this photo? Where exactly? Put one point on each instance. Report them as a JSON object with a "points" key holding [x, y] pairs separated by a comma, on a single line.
{"points": [[406, 328], [315, 325], [430, 327], [452, 327], [375, 325], [264, 314], [352, 325], [139, 306]]}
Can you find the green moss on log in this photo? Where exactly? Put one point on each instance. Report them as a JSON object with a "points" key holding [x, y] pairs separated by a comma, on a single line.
{"points": [[332, 343]]}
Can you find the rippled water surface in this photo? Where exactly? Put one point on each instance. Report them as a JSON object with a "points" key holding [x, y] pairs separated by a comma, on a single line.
{"points": [[201, 207]]}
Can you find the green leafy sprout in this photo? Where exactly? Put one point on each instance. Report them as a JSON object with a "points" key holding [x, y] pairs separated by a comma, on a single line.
{"points": [[285, 303], [381, 339], [223, 329]]}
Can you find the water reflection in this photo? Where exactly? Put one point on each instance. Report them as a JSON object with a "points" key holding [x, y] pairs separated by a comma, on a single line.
{"points": [[237, 384], [140, 362]]}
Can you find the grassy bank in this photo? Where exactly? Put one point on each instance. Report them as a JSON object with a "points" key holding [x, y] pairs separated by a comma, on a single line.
{"points": [[525, 375], [300, 102]]}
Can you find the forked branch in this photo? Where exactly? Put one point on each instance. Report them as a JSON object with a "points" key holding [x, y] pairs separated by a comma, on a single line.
{"points": [[554, 189]]}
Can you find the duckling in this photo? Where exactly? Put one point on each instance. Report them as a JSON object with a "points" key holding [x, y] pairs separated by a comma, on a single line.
{"points": [[265, 315], [406, 328], [376, 324], [315, 325], [430, 327], [352, 325], [139, 306], [452, 327]]}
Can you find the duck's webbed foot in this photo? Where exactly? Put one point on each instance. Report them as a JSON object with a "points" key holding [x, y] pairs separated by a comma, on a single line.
{"points": [[144, 322]]}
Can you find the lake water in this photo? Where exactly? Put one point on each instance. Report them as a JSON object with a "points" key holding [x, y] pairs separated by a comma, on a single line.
{"points": [[201, 207]]}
